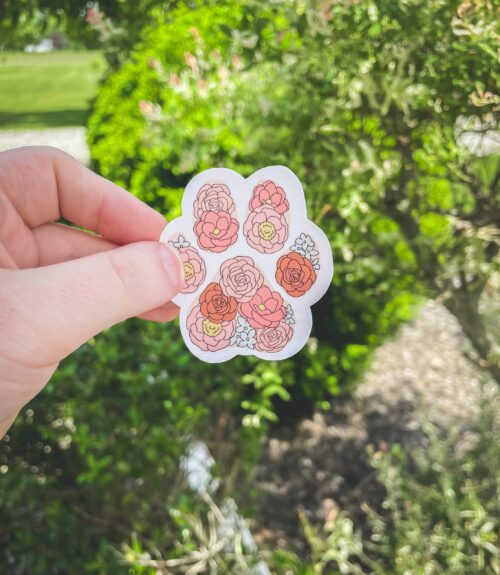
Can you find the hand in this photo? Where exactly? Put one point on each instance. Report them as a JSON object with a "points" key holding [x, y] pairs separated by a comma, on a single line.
{"points": [[59, 285]]}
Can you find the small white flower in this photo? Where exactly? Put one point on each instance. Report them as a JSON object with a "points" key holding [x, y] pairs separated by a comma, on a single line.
{"points": [[180, 242], [245, 335], [305, 246]]}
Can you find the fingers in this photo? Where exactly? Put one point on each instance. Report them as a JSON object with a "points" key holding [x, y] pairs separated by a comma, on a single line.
{"points": [[161, 314], [5, 424], [6, 260], [59, 243], [15, 236], [44, 184], [48, 312]]}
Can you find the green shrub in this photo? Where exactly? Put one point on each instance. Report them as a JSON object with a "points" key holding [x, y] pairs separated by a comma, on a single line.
{"points": [[368, 103], [95, 457], [194, 79]]}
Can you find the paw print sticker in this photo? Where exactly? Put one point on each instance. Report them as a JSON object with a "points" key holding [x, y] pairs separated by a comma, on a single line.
{"points": [[253, 264]]}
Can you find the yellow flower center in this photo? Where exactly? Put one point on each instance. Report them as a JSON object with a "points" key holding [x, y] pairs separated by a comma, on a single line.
{"points": [[216, 232], [188, 270], [268, 202], [261, 306], [267, 231], [210, 328]]}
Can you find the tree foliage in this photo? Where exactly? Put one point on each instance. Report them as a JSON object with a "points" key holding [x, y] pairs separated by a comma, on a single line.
{"points": [[384, 109]]}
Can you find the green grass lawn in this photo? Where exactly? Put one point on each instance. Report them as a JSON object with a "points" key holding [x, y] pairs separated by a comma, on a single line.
{"points": [[47, 90]]}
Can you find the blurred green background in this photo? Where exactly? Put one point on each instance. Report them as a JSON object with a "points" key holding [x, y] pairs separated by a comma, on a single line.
{"points": [[47, 90], [387, 110]]}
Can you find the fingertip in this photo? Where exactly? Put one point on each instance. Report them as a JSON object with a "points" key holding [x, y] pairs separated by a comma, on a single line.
{"points": [[173, 265]]}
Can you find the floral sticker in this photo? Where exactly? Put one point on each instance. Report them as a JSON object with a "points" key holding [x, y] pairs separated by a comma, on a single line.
{"points": [[247, 289], [213, 198], [296, 270], [193, 263], [216, 306], [216, 231], [269, 194], [266, 230], [206, 334], [215, 225], [240, 278], [266, 227], [242, 295]]}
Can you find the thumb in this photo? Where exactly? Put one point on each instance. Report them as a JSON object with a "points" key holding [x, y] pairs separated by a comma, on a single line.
{"points": [[57, 308]]}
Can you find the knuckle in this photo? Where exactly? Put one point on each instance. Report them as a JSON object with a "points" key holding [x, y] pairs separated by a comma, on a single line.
{"points": [[126, 270]]}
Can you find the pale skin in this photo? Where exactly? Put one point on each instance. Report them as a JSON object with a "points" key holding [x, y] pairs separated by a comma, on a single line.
{"points": [[59, 285]]}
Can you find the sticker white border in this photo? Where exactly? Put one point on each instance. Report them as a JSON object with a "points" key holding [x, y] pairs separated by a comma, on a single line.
{"points": [[241, 192]]}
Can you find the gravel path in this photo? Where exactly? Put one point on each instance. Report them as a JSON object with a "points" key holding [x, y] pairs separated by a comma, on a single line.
{"points": [[426, 365], [322, 464], [71, 140]]}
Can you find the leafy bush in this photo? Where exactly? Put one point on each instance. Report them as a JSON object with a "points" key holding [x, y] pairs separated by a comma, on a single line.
{"points": [[95, 457], [185, 103], [371, 104], [439, 516]]}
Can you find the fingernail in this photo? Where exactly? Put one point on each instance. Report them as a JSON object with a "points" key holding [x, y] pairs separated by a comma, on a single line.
{"points": [[173, 264]]}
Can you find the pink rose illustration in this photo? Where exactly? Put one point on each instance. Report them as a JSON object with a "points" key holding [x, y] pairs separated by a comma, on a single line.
{"points": [[273, 339], [213, 198], [194, 269], [240, 278], [265, 309], [266, 230], [216, 231], [268, 193], [207, 335]]}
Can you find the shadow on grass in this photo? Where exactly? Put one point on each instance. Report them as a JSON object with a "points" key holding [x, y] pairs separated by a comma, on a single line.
{"points": [[54, 119]]}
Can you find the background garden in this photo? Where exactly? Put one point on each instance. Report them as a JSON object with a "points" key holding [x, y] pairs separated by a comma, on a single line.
{"points": [[374, 450]]}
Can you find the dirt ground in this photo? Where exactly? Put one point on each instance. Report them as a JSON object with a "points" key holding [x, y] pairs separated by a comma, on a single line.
{"points": [[322, 463]]}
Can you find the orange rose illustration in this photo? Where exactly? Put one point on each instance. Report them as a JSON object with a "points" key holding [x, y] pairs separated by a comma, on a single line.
{"points": [[295, 274], [216, 306]]}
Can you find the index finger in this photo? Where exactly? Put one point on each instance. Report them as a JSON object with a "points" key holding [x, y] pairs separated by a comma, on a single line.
{"points": [[44, 184]]}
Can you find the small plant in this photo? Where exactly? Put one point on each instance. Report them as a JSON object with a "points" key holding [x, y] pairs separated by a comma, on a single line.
{"points": [[213, 542]]}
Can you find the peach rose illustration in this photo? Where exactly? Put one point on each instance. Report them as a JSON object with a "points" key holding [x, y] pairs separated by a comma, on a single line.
{"points": [[273, 339], [216, 306], [265, 309], [213, 198], [207, 335], [194, 269], [268, 193], [216, 231], [240, 278], [266, 230], [295, 274]]}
